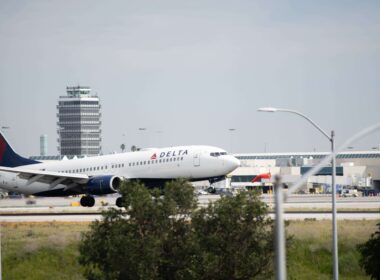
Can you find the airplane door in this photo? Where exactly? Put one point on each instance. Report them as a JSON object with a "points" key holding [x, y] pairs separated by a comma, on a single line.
{"points": [[197, 159]]}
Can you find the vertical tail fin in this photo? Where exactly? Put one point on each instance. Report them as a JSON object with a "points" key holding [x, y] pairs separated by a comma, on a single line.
{"points": [[9, 158], [261, 176]]}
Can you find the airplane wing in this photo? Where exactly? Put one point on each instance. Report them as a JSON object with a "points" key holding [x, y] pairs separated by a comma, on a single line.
{"points": [[49, 177]]}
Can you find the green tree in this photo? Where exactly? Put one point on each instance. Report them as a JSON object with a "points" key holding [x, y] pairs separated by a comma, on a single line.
{"points": [[235, 238], [166, 236], [370, 255], [144, 241]]}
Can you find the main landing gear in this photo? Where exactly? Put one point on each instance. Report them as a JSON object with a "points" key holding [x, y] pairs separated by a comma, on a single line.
{"points": [[119, 202], [87, 201]]}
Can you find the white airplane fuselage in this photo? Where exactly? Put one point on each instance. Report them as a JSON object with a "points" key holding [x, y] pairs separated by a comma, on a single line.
{"points": [[191, 162]]}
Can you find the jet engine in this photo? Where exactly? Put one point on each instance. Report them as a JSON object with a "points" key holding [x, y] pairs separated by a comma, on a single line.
{"points": [[103, 184]]}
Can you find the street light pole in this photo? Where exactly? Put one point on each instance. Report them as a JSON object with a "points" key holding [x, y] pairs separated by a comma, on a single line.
{"points": [[280, 230], [333, 175], [334, 221]]}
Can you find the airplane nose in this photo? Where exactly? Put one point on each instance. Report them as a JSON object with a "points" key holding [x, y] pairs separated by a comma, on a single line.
{"points": [[236, 162], [233, 163]]}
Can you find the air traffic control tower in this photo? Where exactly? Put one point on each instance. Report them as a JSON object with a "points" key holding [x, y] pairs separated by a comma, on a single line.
{"points": [[79, 123]]}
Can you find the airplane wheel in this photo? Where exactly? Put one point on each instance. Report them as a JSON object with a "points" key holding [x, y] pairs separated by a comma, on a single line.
{"points": [[119, 202], [91, 201], [83, 201], [87, 201]]}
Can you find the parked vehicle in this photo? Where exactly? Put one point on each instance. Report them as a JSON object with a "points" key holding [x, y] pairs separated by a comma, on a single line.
{"points": [[350, 193]]}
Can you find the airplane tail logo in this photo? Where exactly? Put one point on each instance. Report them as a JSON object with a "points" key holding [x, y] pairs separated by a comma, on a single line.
{"points": [[9, 158], [262, 176], [153, 157]]}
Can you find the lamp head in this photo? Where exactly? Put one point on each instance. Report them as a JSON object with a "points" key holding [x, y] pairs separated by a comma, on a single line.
{"points": [[267, 109]]}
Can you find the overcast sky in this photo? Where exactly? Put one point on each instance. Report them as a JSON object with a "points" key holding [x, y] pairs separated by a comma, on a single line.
{"points": [[193, 69]]}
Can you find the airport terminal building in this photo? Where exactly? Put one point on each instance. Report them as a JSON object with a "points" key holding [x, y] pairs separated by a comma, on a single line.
{"points": [[354, 169]]}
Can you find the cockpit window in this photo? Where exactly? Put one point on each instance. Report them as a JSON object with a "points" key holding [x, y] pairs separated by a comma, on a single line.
{"points": [[218, 154]]}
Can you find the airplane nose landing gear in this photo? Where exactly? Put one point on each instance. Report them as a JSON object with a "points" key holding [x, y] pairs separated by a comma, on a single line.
{"points": [[87, 201]]}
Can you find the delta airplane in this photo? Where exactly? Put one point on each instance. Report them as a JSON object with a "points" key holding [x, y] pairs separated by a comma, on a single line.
{"points": [[103, 174]]}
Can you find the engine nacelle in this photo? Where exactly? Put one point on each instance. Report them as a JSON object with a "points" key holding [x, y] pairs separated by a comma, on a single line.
{"points": [[103, 184]]}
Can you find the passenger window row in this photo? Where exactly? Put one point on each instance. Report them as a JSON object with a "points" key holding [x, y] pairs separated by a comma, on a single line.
{"points": [[96, 168], [113, 166], [156, 161]]}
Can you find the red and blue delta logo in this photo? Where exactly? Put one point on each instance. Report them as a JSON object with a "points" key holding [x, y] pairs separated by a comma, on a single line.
{"points": [[169, 154]]}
